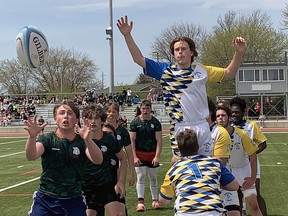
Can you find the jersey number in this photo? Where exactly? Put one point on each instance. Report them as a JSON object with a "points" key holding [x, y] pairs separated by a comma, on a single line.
{"points": [[193, 167]]}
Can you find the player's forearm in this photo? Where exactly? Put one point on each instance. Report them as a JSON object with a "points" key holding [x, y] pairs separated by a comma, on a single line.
{"points": [[94, 153], [122, 171], [253, 165], [158, 149], [234, 65], [135, 51], [30, 149], [129, 153], [159, 144]]}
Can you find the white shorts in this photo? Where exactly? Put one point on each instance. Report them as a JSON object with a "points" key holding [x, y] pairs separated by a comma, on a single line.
{"points": [[202, 130], [249, 192], [230, 198], [241, 173], [208, 213]]}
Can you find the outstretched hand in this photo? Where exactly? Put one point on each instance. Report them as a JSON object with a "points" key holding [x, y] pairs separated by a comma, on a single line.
{"points": [[32, 126], [239, 44], [124, 27], [84, 131]]}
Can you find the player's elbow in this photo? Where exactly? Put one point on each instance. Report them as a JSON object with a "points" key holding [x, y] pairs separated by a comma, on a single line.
{"points": [[140, 60], [97, 160], [30, 157], [232, 186], [163, 200]]}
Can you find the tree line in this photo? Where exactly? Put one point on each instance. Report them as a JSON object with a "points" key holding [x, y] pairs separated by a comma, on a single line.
{"points": [[72, 71]]}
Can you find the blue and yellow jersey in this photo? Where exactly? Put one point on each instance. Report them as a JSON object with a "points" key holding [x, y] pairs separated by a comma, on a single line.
{"points": [[184, 91], [242, 148], [221, 140], [253, 131], [195, 182]]}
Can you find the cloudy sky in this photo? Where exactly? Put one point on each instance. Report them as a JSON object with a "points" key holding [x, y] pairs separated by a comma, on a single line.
{"points": [[81, 24]]}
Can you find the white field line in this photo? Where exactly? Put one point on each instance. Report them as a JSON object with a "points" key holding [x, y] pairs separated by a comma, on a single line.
{"points": [[6, 143], [19, 184], [8, 155]]}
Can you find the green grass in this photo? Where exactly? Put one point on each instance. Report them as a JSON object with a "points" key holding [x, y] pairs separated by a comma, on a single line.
{"points": [[17, 201]]}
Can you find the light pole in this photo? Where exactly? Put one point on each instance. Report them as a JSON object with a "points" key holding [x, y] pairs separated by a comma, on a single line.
{"points": [[26, 80], [109, 33]]}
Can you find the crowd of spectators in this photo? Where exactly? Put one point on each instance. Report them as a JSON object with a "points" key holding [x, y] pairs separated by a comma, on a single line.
{"points": [[16, 108]]}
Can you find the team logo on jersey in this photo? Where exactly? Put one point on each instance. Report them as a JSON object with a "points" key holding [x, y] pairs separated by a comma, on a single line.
{"points": [[119, 137], [103, 149], [237, 146], [76, 152], [207, 147], [113, 162], [152, 126], [198, 75], [228, 196]]}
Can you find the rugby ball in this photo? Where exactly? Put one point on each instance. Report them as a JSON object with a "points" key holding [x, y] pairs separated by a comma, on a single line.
{"points": [[32, 47]]}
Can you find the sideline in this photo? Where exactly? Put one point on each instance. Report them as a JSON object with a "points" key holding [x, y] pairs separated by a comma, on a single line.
{"points": [[5, 143], [2, 156], [19, 184]]}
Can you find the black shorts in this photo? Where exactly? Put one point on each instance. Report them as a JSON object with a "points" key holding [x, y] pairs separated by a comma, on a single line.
{"points": [[98, 196], [148, 164]]}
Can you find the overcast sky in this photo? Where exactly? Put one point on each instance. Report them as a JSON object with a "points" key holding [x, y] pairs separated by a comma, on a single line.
{"points": [[81, 24]]}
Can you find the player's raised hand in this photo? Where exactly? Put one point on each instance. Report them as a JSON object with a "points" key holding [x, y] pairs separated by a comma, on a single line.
{"points": [[239, 44], [124, 27], [32, 126], [84, 131]]}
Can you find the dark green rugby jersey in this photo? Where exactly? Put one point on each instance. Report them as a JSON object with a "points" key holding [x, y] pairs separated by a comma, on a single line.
{"points": [[123, 136], [99, 174], [62, 162], [145, 133]]}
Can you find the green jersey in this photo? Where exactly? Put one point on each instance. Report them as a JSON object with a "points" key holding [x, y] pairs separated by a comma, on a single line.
{"points": [[123, 136], [99, 174], [145, 133], [62, 163]]}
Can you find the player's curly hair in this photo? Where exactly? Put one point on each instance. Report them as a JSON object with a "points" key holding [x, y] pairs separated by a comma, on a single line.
{"points": [[94, 111], [238, 101]]}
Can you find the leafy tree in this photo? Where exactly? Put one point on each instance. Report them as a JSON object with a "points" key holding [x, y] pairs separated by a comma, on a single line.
{"points": [[285, 17], [264, 44], [70, 70], [143, 79], [160, 48]]}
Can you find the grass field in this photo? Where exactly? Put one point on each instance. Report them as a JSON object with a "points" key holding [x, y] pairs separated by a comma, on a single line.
{"points": [[19, 178]]}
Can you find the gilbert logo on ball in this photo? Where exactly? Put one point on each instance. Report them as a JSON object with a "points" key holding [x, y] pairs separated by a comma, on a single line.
{"points": [[32, 47]]}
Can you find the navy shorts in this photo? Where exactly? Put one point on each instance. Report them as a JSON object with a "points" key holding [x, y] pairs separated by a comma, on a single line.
{"points": [[98, 196], [50, 206]]}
